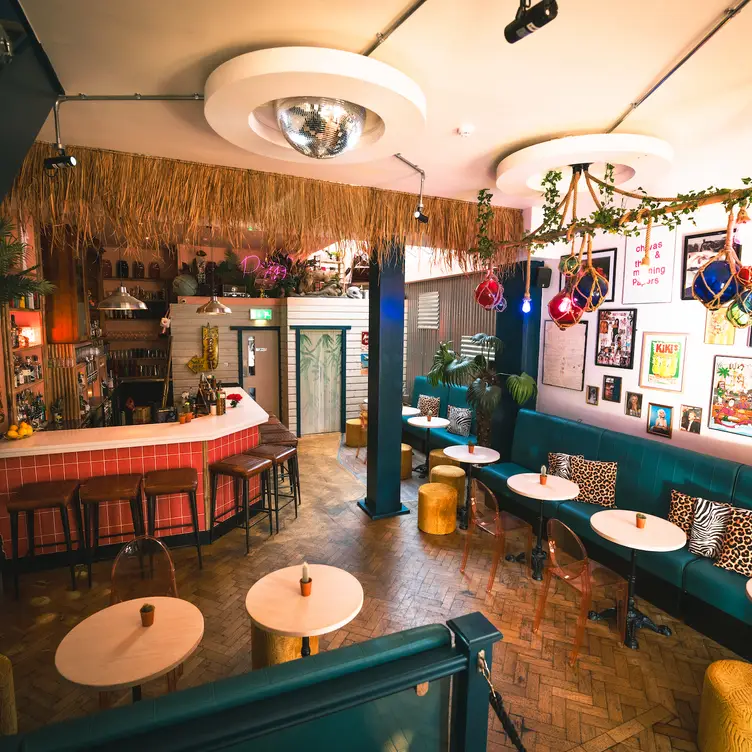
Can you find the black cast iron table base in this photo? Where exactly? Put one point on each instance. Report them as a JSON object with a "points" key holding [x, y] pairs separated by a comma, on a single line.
{"points": [[539, 555], [306, 647]]}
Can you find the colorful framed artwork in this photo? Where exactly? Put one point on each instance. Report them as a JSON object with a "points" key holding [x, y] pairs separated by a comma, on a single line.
{"points": [[690, 418], [653, 283], [612, 388], [718, 329], [564, 355], [662, 363], [591, 395], [731, 399], [605, 262], [633, 405], [615, 342], [660, 418], [699, 248]]}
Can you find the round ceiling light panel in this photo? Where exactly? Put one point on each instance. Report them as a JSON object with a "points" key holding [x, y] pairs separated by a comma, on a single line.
{"points": [[299, 103], [637, 160]]}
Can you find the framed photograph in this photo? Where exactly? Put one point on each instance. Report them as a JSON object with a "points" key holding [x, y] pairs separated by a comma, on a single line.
{"points": [[718, 329], [662, 363], [591, 395], [564, 355], [731, 399], [612, 388], [699, 248], [690, 419], [615, 343], [660, 418], [633, 405], [605, 262], [653, 283]]}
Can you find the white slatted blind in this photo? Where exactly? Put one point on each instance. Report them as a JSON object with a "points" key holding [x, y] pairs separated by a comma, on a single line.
{"points": [[428, 310], [469, 349]]}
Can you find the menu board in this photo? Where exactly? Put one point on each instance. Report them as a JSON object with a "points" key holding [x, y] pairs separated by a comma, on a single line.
{"points": [[564, 355]]}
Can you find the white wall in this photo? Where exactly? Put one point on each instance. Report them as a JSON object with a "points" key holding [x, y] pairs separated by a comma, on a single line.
{"points": [[677, 316]]}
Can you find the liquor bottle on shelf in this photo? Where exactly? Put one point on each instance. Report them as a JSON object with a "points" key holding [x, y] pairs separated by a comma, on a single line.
{"points": [[13, 333]]}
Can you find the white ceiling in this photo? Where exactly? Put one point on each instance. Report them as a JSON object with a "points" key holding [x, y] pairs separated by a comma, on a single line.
{"points": [[576, 75]]}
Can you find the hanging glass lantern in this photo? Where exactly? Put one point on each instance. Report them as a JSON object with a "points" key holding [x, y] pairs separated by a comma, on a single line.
{"points": [[744, 301], [715, 284], [489, 292], [569, 265], [744, 277], [736, 314], [590, 289], [563, 310]]}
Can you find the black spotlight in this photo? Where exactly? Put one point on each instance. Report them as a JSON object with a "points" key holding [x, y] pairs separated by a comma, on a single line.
{"points": [[59, 162], [418, 214], [529, 19]]}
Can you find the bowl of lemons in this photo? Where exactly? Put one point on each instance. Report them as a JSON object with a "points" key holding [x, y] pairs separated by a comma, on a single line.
{"points": [[21, 431]]}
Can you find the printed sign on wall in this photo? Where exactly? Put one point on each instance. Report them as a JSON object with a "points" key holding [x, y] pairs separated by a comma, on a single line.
{"points": [[652, 283], [364, 353]]}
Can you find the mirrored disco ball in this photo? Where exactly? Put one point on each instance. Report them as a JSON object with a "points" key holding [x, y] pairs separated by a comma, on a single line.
{"points": [[319, 127]]}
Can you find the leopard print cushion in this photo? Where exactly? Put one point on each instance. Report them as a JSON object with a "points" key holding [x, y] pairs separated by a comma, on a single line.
{"points": [[682, 510], [561, 464], [428, 404], [597, 481], [736, 554]]}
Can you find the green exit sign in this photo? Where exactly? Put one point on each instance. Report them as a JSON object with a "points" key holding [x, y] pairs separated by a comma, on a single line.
{"points": [[261, 314]]}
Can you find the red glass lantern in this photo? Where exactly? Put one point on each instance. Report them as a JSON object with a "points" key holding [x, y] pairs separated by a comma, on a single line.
{"points": [[744, 275], [563, 310], [488, 292]]}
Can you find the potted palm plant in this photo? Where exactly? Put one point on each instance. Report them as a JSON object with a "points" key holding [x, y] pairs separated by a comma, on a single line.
{"points": [[14, 281], [484, 383]]}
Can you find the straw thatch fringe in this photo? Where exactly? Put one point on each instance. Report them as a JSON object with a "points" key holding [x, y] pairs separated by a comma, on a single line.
{"points": [[135, 197]]}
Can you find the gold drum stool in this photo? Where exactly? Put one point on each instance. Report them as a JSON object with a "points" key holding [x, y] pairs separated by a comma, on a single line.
{"points": [[406, 468], [437, 508], [437, 457], [451, 476], [354, 434], [726, 708]]}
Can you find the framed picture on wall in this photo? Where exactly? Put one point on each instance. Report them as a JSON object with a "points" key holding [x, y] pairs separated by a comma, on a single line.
{"points": [[699, 248], [660, 419], [564, 355], [605, 262], [612, 388], [591, 395], [690, 419], [718, 329], [652, 282], [615, 342], [633, 405], [731, 398], [662, 364]]}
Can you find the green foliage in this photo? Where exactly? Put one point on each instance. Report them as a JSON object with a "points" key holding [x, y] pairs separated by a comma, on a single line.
{"points": [[484, 246], [551, 198], [146, 608], [15, 284]]}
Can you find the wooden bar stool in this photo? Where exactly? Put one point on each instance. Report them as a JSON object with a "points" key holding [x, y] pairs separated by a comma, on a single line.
{"points": [[99, 490], [48, 495], [277, 433], [182, 480], [242, 467], [279, 454]]}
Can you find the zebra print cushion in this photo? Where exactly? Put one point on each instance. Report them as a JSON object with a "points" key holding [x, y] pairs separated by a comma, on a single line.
{"points": [[736, 554], [682, 510], [709, 527], [460, 420], [428, 404], [561, 464]]}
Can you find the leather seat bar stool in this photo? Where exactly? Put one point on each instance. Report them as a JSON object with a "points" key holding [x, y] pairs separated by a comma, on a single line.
{"points": [[279, 454], [242, 467], [274, 432], [31, 497], [182, 480], [100, 490]]}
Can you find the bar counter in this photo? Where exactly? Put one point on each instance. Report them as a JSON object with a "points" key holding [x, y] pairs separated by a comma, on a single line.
{"points": [[82, 454]]}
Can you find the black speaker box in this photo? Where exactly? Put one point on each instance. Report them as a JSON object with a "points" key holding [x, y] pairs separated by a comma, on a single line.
{"points": [[543, 276]]}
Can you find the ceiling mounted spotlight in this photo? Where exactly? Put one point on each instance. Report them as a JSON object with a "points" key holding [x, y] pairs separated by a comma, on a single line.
{"points": [[529, 19], [418, 213], [62, 160], [6, 47], [320, 127]]}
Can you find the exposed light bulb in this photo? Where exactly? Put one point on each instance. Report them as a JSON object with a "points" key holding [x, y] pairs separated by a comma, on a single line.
{"points": [[527, 306]]}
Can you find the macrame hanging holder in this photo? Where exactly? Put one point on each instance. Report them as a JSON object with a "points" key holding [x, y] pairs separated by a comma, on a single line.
{"points": [[719, 298]]}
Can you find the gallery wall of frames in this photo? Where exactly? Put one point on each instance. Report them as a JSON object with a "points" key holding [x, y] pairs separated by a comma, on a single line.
{"points": [[652, 361]]}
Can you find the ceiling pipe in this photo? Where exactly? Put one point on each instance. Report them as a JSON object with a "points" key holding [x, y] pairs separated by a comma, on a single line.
{"points": [[382, 36], [131, 98], [727, 15]]}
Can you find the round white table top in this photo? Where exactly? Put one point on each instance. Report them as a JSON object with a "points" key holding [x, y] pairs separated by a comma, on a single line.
{"points": [[749, 589], [112, 650], [480, 456], [421, 421], [408, 411], [556, 488], [275, 604], [620, 526]]}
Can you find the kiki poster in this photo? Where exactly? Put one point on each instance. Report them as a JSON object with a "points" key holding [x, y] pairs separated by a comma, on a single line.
{"points": [[662, 365], [731, 401]]}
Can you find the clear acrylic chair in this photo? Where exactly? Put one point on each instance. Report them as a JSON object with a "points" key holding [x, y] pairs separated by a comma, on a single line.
{"points": [[568, 561], [486, 517], [143, 568], [363, 433]]}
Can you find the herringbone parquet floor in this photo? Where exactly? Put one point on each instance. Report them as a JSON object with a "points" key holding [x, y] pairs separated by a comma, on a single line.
{"points": [[614, 699]]}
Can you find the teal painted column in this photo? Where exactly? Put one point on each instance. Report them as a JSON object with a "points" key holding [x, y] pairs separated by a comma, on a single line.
{"points": [[386, 331]]}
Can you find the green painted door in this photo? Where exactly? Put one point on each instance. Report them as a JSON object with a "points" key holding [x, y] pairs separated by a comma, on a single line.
{"points": [[320, 381]]}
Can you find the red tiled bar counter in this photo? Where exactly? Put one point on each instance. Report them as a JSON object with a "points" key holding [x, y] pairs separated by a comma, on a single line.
{"points": [[58, 455]]}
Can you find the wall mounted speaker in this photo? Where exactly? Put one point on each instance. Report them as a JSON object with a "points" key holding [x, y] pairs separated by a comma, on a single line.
{"points": [[543, 276]]}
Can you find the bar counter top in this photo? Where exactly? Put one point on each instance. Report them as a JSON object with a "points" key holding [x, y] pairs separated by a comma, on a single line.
{"points": [[207, 428]]}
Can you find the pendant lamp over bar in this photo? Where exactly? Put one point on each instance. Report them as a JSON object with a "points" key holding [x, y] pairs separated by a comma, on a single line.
{"points": [[121, 300], [213, 307]]}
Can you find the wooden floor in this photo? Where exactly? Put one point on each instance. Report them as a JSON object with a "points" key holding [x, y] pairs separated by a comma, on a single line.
{"points": [[614, 699]]}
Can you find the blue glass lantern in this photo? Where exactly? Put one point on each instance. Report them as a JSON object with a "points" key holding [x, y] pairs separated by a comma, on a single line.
{"points": [[744, 301], [590, 289], [715, 284]]}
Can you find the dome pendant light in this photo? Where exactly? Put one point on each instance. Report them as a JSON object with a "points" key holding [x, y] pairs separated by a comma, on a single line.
{"points": [[213, 307], [121, 300]]}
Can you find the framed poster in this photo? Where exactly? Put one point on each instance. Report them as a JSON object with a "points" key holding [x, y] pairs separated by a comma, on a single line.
{"points": [[660, 418], [615, 342], [690, 418], [591, 395], [662, 364], [698, 249], [652, 283], [612, 388], [718, 329], [605, 262], [633, 405], [564, 355], [731, 400]]}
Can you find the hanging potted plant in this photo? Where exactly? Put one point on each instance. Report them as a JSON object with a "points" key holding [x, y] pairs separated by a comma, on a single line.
{"points": [[484, 383]]}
